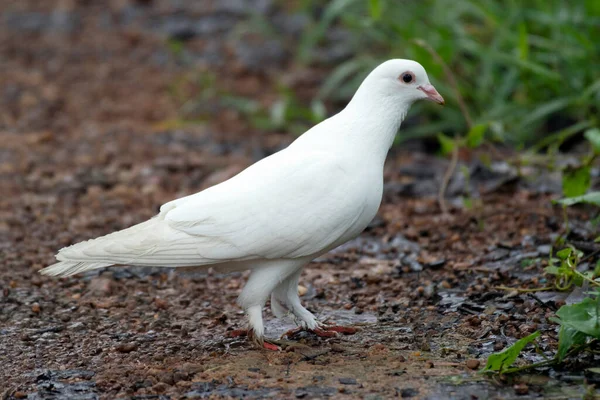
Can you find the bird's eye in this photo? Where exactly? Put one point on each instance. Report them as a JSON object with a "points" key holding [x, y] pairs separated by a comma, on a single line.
{"points": [[407, 77]]}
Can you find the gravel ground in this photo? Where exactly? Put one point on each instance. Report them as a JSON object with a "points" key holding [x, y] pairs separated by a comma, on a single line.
{"points": [[91, 143]]}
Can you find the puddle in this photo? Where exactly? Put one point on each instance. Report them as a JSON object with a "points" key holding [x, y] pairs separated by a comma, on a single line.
{"points": [[203, 390], [50, 385]]}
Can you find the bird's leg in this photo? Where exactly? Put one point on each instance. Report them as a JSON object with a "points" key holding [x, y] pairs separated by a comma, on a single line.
{"points": [[287, 293], [285, 298], [261, 283]]}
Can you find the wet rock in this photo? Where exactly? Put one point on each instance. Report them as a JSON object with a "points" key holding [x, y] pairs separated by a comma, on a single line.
{"points": [[218, 390], [314, 392], [126, 347], [77, 326], [160, 387], [179, 376], [166, 377], [182, 26], [435, 265], [38, 22], [403, 245], [408, 393], [497, 254], [412, 263]]}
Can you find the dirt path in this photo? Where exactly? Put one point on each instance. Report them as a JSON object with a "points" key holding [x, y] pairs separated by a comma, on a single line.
{"points": [[89, 146]]}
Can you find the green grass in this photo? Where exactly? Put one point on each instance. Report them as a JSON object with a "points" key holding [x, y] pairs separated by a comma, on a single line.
{"points": [[526, 69]]}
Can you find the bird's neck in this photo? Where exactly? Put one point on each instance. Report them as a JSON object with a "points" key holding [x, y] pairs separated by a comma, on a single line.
{"points": [[372, 122], [367, 126]]}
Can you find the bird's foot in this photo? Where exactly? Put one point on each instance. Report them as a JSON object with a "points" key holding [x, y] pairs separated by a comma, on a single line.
{"points": [[259, 342], [322, 330]]}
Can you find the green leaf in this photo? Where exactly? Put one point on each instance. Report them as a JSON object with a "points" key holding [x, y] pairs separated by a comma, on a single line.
{"points": [[567, 338], [564, 253], [504, 359], [523, 43], [552, 270], [593, 135], [582, 317], [589, 198], [446, 144], [375, 9], [475, 135], [576, 181]]}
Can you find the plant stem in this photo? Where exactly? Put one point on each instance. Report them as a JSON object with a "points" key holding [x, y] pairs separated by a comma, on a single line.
{"points": [[450, 76], [585, 278], [446, 179]]}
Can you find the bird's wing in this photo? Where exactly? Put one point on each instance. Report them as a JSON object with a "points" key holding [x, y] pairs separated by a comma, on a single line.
{"points": [[287, 207], [284, 206]]}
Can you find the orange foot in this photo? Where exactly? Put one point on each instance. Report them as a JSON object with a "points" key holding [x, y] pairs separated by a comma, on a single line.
{"points": [[323, 331], [265, 343]]}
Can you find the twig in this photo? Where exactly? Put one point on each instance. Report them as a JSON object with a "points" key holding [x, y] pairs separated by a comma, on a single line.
{"points": [[450, 76], [446, 180], [540, 302], [592, 254]]}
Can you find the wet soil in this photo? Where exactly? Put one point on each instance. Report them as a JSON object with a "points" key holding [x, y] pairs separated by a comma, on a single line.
{"points": [[89, 146]]}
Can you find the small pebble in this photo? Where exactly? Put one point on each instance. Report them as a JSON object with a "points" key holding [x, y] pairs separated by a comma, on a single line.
{"points": [[337, 348], [347, 381], [77, 326], [473, 364], [161, 304], [521, 388], [302, 290], [126, 347], [35, 307], [160, 387]]}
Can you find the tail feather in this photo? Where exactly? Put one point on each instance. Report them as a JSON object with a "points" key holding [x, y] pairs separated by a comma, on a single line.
{"points": [[68, 268]]}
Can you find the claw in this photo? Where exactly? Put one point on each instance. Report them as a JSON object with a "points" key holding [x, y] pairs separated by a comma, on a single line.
{"points": [[258, 342]]}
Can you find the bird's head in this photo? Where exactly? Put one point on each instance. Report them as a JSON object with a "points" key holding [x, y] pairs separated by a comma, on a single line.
{"points": [[404, 80]]}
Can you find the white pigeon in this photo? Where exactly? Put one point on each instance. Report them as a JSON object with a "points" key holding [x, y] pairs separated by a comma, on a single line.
{"points": [[281, 212]]}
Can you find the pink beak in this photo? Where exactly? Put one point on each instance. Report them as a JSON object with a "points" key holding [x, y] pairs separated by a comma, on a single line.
{"points": [[431, 93]]}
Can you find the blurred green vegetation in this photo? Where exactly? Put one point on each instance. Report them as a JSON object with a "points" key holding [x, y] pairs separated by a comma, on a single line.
{"points": [[525, 69], [520, 72]]}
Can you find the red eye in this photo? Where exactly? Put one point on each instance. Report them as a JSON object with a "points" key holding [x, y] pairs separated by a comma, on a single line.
{"points": [[407, 77]]}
